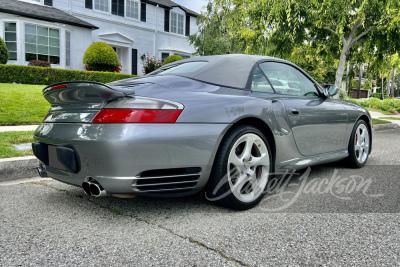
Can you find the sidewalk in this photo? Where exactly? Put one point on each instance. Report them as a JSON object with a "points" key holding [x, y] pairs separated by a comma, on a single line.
{"points": [[377, 115], [19, 128]]}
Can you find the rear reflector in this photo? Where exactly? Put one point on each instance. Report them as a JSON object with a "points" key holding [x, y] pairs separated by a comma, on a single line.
{"points": [[137, 116]]}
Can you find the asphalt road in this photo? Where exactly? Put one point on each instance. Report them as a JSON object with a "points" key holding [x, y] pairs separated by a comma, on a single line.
{"points": [[352, 219]]}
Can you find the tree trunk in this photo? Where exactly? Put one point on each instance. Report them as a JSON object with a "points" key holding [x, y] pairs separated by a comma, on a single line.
{"points": [[347, 78], [398, 84], [388, 82], [342, 63], [383, 94], [360, 74], [392, 84]]}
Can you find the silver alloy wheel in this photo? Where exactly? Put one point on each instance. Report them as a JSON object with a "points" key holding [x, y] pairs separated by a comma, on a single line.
{"points": [[361, 143], [248, 167]]}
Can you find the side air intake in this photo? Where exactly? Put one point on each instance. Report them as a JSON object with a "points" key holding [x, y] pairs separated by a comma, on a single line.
{"points": [[167, 180]]}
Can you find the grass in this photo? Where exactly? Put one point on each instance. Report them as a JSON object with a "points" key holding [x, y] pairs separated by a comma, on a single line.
{"points": [[7, 139], [22, 104], [378, 121], [379, 110], [390, 118]]}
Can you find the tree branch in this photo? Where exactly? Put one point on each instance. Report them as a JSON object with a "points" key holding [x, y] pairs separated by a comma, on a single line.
{"points": [[360, 36], [330, 30], [355, 27]]}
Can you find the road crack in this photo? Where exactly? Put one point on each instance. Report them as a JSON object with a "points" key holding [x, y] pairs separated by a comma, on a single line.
{"points": [[119, 213]]}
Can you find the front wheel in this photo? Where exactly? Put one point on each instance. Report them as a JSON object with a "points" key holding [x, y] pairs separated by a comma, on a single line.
{"points": [[359, 145], [241, 169]]}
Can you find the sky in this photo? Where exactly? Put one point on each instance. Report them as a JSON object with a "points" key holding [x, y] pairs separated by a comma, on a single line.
{"points": [[195, 5]]}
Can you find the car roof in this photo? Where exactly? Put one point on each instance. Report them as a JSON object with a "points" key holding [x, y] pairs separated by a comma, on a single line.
{"points": [[231, 70]]}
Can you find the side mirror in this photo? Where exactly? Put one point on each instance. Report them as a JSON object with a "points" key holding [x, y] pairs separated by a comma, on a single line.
{"points": [[330, 90]]}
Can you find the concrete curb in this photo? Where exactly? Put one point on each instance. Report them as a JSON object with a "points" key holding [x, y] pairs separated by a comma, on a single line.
{"points": [[383, 127], [16, 168]]}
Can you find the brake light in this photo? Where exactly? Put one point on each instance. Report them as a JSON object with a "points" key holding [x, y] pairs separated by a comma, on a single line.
{"points": [[58, 86], [137, 116], [45, 117]]}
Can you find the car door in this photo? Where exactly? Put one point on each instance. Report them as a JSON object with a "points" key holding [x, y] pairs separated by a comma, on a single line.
{"points": [[318, 123]]}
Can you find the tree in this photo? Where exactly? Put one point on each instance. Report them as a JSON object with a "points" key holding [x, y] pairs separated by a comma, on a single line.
{"points": [[3, 52], [334, 27], [214, 36]]}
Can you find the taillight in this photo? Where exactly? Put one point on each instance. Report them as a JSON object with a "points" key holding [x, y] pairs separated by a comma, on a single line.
{"points": [[136, 116], [139, 110], [58, 86]]}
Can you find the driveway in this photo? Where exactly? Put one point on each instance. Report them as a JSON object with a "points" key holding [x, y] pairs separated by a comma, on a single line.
{"points": [[330, 216]]}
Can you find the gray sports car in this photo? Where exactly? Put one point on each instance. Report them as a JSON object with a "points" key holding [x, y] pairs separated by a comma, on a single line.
{"points": [[220, 123]]}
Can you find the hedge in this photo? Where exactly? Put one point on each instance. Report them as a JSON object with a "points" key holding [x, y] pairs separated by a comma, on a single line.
{"points": [[47, 76]]}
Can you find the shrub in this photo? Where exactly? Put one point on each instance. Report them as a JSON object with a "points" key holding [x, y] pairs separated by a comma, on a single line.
{"points": [[149, 63], [342, 94], [3, 52], [46, 76], [101, 57], [39, 63], [172, 59]]}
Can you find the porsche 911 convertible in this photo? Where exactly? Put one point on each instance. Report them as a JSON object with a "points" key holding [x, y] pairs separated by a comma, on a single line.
{"points": [[224, 124]]}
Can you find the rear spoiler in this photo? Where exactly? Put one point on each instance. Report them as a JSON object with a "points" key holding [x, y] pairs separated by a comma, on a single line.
{"points": [[82, 92]]}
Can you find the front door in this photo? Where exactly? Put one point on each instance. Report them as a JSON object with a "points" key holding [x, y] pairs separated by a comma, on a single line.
{"points": [[134, 62], [318, 123]]}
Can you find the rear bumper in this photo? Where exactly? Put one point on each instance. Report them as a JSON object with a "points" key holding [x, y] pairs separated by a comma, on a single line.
{"points": [[118, 156]]}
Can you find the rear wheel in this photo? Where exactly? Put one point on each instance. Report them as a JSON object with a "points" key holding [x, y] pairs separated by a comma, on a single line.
{"points": [[241, 169], [359, 145]]}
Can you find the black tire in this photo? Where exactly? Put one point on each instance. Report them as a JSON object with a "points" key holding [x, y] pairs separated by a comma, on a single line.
{"points": [[219, 171], [352, 161]]}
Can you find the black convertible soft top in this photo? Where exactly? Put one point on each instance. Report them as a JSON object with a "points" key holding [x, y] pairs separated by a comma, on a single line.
{"points": [[231, 70]]}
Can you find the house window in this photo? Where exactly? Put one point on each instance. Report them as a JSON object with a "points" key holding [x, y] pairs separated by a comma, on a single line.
{"points": [[177, 23], [132, 9], [10, 37], [67, 48], [102, 5], [184, 56], [42, 43], [164, 56]]}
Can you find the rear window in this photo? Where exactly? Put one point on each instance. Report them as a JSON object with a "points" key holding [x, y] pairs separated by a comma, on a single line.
{"points": [[181, 68]]}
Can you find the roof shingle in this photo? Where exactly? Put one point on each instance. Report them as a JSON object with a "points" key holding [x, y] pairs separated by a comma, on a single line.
{"points": [[40, 12], [171, 4]]}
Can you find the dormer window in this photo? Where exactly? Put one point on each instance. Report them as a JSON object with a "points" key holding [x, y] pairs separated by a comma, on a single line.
{"points": [[177, 24], [45, 2]]}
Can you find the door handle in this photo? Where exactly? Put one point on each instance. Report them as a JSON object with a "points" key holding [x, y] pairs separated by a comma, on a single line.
{"points": [[294, 111]]}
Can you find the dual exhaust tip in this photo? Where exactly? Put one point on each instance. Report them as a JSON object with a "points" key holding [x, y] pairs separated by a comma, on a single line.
{"points": [[93, 188]]}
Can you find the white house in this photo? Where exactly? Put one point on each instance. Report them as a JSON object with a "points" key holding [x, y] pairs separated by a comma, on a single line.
{"points": [[60, 31]]}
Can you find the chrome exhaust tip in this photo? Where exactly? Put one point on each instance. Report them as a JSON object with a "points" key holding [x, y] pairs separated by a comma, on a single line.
{"points": [[42, 171], [86, 188], [96, 189]]}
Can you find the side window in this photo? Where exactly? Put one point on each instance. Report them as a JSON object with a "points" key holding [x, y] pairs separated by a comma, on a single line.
{"points": [[259, 83], [287, 80]]}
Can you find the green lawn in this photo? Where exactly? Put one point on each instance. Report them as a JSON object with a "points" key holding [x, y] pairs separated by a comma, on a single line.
{"points": [[390, 118], [379, 110], [7, 139], [22, 104], [378, 121]]}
